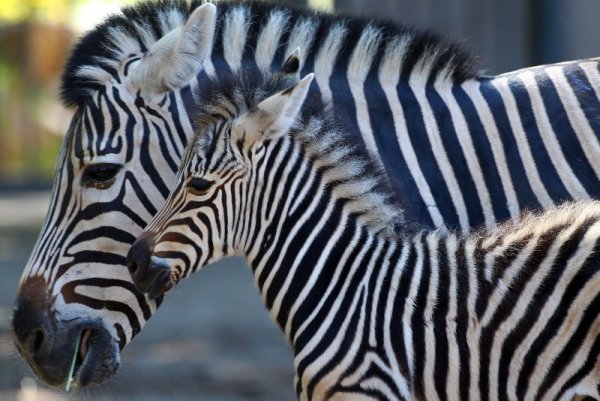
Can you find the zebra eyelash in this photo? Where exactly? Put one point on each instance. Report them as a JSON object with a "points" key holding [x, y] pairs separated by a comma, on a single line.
{"points": [[100, 176], [199, 186]]}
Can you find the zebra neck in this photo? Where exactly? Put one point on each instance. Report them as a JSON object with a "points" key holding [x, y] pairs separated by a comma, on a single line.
{"points": [[344, 53], [314, 254]]}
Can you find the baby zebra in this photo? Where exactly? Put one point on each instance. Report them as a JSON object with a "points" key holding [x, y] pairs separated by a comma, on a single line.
{"points": [[373, 314]]}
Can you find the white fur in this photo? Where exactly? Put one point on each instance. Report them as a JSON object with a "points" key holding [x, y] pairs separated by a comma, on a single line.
{"points": [[549, 137], [525, 152], [389, 75], [472, 89], [464, 136], [302, 36], [358, 68], [234, 36], [124, 44], [327, 57], [585, 134], [268, 39], [145, 34], [417, 81]]}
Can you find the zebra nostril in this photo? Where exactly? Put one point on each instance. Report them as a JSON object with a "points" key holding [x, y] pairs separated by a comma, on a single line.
{"points": [[31, 319], [138, 262], [132, 266], [138, 257], [37, 341]]}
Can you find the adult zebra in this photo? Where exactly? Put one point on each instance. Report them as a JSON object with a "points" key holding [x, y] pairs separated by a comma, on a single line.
{"points": [[506, 314], [458, 148]]}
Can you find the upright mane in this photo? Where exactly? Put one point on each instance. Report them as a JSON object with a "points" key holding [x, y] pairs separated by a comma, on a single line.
{"points": [[344, 166], [101, 52]]}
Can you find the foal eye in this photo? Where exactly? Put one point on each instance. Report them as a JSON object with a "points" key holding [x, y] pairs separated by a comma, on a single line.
{"points": [[100, 176], [198, 185]]}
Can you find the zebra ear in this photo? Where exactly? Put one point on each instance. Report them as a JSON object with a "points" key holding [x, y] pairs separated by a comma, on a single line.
{"points": [[174, 60], [275, 115]]}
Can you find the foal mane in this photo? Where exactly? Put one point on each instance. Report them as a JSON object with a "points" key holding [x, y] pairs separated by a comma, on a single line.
{"points": [[346, 168]]}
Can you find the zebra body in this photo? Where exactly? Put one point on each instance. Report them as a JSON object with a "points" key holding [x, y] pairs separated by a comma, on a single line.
{"points": [[452, 143], [510, 313]]}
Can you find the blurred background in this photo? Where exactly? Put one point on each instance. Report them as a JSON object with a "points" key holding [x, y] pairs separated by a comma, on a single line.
{"points": [[225, 347]]}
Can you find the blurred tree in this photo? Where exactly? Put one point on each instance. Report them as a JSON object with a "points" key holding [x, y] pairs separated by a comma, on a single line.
{"points": [[34, 42], [31, 58], [56, 11]]}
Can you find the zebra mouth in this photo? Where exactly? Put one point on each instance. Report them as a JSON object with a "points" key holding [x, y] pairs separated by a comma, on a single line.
{"points": [[81, 349], [95, 359]]}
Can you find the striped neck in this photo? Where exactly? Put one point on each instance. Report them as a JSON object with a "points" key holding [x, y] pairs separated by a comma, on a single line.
{"points": [[313, 231], [342, 52], [299, 272]]}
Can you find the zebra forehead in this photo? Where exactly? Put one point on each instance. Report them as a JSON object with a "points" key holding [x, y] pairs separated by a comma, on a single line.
{"points": [[234, 93], [102, 52]]}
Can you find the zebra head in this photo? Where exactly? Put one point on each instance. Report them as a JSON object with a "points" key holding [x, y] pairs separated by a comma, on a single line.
{"points": [[215, 209], [76, 301]]}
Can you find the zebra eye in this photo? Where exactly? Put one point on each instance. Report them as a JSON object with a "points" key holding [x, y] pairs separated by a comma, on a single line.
{"points": [[198, 185], [100, 176]]}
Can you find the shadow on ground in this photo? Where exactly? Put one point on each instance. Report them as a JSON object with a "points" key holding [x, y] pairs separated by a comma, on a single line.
{"points": [[212, 339]]}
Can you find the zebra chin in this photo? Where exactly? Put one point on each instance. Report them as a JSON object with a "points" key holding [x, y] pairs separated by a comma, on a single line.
{"points": [[54, 347]]}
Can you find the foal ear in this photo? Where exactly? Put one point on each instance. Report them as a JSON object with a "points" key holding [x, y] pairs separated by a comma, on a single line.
{"points": [[174, 60], [274, 116]]}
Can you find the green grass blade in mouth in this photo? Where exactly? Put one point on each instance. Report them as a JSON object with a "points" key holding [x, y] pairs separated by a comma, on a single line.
{"points": [[72, 369]]}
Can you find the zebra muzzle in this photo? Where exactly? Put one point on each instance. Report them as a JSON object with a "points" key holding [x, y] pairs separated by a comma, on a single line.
{"points": [[148, 274], [77, 352]]}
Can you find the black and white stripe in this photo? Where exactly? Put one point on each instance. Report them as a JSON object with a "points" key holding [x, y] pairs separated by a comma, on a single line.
{"points": [[459, 149], [469, 149], [510, 313]]}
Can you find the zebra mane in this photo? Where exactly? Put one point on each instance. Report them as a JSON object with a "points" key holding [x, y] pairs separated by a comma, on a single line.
{"points": [[346, 167], [537, 222], [101, 53]]}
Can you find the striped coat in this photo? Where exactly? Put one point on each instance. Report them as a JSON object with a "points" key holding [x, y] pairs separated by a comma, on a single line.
{"points": [[509, 313]]}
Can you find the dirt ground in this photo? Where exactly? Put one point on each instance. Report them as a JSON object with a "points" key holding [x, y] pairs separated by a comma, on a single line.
{"points": [[212, 338]]}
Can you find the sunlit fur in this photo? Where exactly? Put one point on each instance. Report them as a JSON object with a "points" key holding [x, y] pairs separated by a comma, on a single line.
{"points": [[459, 149], [507, 313]]}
